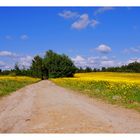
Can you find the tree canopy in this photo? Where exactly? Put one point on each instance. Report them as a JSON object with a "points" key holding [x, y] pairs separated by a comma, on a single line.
{"points": [[58, 65], [52, 65]]}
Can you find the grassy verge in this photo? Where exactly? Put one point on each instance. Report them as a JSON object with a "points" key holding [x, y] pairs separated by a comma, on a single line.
{"points": [[125, 94], [10, 84]]}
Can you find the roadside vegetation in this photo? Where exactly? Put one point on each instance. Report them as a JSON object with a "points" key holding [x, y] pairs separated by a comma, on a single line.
{"points": [[115, 88], [52, 65], [9, 84], [117, 85]]}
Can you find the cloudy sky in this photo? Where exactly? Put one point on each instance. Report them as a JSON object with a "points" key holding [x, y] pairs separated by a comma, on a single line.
{"points": [[90, 36]]}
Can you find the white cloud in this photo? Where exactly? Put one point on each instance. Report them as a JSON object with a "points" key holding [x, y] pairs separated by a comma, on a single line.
{"points": [[133, 60], [95, 62], [22, 60], [84, 21], [103, 48], [79, 61], [68, 14], [2, 64], [24, 37], [78, 58], [102, 10], [7, 54], [94, 23], [25, 61], [108, 63], [132, 50], [100, 61]]}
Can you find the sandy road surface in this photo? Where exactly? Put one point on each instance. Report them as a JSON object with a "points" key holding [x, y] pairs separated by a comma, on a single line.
{"points": [[46, 108]]}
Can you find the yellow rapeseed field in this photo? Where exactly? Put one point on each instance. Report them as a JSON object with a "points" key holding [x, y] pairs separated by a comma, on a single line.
{"points": [[110, 76], [19, 78], [119, 88]]}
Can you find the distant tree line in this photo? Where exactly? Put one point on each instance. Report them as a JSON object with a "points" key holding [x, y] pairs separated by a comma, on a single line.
{"points": [[131, 67], [54, 65]]}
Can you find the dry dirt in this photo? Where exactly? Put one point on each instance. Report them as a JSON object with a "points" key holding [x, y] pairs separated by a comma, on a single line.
{"points": [[46, 108]]}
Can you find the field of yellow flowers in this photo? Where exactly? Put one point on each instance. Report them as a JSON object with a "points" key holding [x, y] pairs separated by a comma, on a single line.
{"points": [[9, 84], [116, 88]]}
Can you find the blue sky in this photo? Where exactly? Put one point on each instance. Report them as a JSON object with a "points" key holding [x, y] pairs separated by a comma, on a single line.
{"points": [[90, 36]]}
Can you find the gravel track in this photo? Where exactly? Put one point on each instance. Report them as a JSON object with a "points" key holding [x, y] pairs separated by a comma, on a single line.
{"points": [[44, 107]]}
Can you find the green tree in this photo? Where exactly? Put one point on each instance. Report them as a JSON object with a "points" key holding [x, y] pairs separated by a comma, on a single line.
{"points": [[37, 67], [103, 69], [17, 69], [134, 67], [88, 69], [58, 65]]}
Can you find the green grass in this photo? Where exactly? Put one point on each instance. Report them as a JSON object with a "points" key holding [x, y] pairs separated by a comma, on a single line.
{"points": [[10, 85]]}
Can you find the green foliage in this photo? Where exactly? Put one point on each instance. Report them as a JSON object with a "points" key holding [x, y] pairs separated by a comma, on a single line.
{"points": [[37, 67], [88, 69], [17, 69], [58, 65], [8, 85], [134, 67]]}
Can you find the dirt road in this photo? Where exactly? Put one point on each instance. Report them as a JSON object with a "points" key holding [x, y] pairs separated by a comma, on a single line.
{"points": [[46, 108]]}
